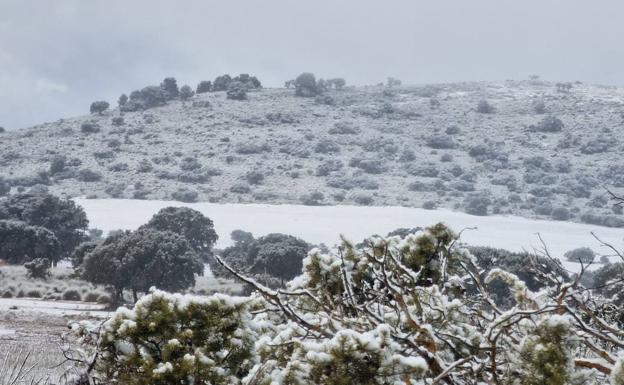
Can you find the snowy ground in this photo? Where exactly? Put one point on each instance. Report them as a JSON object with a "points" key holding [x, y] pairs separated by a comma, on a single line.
{"points": [[325, 224]]}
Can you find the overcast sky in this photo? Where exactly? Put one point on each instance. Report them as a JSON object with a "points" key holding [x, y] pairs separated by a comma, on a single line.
{"points": [[56, 56]]}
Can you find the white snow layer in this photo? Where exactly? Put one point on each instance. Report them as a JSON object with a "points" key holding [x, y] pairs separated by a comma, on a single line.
{"points": [[324, 224]]}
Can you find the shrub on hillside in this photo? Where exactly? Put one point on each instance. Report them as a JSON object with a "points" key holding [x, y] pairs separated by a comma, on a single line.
{"points": [[88, 175], [328, 167], [254, 177], [185, 195], [186, 92], [440, 142], [306, 86], [221, 83], [89, 127], [344, 128], [548, 124], [583, 255], [477, 204], [99, 107], [204, 86], [484, 107], [122, 101], [170, 88], [325, 146], [236, 91]]}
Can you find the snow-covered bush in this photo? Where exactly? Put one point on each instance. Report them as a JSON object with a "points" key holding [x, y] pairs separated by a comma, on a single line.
{"points": [[204, 86], [328, 167], [98, 107], [548, 124], [89, 127], [581, 255], [484, 107], [440, 142], [306, 85], [236, 91], [477, 203], [185, 195], [325, 146], [180, 339], [412, 310], [186, 92]]}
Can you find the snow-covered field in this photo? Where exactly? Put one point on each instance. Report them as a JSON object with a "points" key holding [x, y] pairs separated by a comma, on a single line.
{"points": [[324, 224]]}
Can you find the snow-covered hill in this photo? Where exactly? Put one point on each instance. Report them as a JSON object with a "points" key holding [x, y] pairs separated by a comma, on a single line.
{"points": [[408, 146], [325, 224]]}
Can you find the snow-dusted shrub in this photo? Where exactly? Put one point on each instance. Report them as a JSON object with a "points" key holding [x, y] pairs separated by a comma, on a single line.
{"points": [[430, 170], [597, 146], [57, 164], [306, 85], [582, 255], [189, 163], [440, 142], [254, 177], [204, 86], [71, 295], [325, 146], [186, 92], [445, 158], [117, 121], [328, 167], [462, 185], [173, 338], [252, 148], [562, 166], [370, 166], [539, 107], [418, 186], [185, 195], [483, 152], [477, 203], [344, 128], [576, 188], [118, 167], [363, 199], [240, 188], [236, 91], [38, 268], [560, 214], [221, 83], [452, 130], [88, 175], [537, 162], [170, 88], [548, 124], [325, 99], [407, 155], [89, 127], [484, 107], [351, 182], [314, 198], [98, 107], [104, 155]]}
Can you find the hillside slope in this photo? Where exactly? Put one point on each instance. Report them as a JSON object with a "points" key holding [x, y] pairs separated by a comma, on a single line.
{"points": [[411, 146]]}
